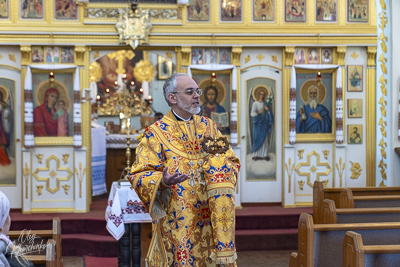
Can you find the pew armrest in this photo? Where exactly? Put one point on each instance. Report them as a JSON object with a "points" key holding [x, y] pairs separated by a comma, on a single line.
{"points": [[293, 262]]}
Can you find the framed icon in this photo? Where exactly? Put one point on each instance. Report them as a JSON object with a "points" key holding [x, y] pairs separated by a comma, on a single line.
{"points": [[354, 134], [164, 68], [354, 108], [354, 78]]}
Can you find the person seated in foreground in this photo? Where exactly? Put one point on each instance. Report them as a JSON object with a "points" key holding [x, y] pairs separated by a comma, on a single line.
{"points": [[8, 258]]}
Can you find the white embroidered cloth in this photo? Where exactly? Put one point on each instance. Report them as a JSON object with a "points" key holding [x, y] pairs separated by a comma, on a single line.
{"points": [[124, 206]]}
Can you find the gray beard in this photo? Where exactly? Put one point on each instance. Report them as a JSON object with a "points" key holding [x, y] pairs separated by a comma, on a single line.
{"points": [[188, 107], [313, 103]]}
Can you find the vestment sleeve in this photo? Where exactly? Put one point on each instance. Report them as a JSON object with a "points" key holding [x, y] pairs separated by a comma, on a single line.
{"points": [[146, 176]]}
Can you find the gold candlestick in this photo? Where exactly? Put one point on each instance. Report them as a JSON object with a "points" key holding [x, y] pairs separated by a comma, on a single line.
{"points": [[125, 172]]}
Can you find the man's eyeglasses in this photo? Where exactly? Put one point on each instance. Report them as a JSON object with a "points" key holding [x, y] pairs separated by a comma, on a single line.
{"points": [[190, 91]]}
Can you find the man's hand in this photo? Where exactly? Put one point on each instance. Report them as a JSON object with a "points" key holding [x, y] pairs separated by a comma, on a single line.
{"points": [[174, 178], [316, 115]]}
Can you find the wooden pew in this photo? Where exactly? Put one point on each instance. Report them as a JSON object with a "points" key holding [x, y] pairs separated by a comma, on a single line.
{"points": [[356, 254], [348, 200], [320, 245], [51, 238], [330, 214], [320, 193]]}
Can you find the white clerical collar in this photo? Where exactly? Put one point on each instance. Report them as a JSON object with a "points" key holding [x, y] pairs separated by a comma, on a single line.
{"points": [[179, 117]]}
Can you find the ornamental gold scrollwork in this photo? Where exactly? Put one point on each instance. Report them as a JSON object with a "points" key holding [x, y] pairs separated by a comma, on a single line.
{"points": [[39, 157], [65, 158], [26, 172], [66, 188], [355, 170], [340, 169], [39, 189], [144, 71], [354, 55], [289, 169], [101, 13], [383, 39], [80, 174], [247, 59], [300, 153], [260, 57], [12, 57], [53, 174], [168, 55], [308, 164], [163, 13], [96, 54], [301, 184], [275, 59], [326, 153]]}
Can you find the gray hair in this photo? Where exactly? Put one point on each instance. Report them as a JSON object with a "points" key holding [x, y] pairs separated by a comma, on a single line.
{"points": [[171, 85]]}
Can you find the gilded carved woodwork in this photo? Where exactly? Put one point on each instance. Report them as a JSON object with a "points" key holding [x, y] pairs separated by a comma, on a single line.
{"points": [[289, 56], [163, 13], [340, 168], [341, 53], [260, 57], [12, 57], [66, 188], [80, 174], [46, 170], [26, 51], [236, 52], [168, 55], [80, 55], [39, 157], [26, 172], [355, 170], [371, 56], [289, 169], [301, 184], [186, 53], [65, 158], [39, 189], [383, 100], [300, 153], [144, 71], [326, 153], [308, 165], [354, 55]]}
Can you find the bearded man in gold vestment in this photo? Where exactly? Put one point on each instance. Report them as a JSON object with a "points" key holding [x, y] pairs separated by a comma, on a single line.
{"points": [[188, 193]]}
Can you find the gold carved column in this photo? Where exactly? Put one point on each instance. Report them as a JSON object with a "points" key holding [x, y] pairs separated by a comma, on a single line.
{"points": [[235, 114], [287, 94], [370, 115]]}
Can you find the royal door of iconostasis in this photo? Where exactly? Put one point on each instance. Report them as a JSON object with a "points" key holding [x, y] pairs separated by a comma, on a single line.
{"points": [[260, 125]]}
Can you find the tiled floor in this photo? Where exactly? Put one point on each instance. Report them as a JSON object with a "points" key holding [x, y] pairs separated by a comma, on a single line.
{"points": [[278, 258]]}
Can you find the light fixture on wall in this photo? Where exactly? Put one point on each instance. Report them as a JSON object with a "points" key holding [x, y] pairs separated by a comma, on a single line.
{"points": [[319, 78], [213, 77]]}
